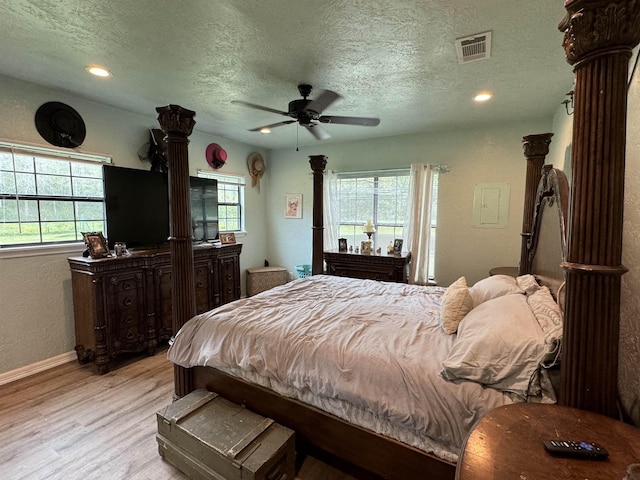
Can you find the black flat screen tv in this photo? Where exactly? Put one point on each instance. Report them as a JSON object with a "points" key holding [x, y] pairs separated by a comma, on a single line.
{"points": [[137, 207]]}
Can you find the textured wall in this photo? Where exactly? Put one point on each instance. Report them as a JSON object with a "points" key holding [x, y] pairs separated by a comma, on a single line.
{"points": [[630, 315], [484, 155], [36, 307]]}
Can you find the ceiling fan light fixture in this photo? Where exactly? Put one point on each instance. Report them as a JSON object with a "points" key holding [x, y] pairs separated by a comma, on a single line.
{"points": [[482, 97], [98, 71], [308, 113]]}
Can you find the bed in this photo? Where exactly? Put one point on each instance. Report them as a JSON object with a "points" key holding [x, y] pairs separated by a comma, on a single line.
{"points": [[591, 265]]}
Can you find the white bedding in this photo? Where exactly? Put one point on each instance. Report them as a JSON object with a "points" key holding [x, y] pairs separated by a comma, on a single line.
{"points": [[368, 352]]}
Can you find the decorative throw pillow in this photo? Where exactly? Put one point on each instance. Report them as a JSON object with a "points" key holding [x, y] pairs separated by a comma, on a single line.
{"points": [[493, 287], [456, 303], [499, 344], [528, 283]]}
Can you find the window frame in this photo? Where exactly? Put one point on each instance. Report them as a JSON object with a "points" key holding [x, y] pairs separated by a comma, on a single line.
{"points": [[238, 181], [71, 156], [376, 175]]}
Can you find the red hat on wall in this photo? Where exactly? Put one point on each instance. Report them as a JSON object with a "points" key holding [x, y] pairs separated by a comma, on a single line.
{"points": [[216, 155]]}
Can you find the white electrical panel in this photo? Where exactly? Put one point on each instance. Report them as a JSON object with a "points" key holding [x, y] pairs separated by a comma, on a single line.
{"points": [[491, 205]]}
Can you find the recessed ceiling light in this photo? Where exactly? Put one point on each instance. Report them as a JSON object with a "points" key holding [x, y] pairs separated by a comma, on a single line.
{"points": [[98, 71], [265, 130], [482, 97]]}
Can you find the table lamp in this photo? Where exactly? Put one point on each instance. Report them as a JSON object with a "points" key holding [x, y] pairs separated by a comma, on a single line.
{"points": [[369, 229]]}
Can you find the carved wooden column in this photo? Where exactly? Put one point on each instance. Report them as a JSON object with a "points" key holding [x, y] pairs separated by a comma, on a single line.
{"points": [[177, 124], [536, 148], [598, 39], [318, 164]]}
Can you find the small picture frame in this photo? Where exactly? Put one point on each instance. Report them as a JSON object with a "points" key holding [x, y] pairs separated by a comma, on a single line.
{"points": [[96, 244], [228, 238], [293, 205], [397, 246], [365, 247], [342, 244]]}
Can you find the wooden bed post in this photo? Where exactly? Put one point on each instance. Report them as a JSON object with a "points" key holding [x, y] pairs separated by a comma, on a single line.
{"points": [[318, 164], [177, 124], [598, 38], [536, 148]]}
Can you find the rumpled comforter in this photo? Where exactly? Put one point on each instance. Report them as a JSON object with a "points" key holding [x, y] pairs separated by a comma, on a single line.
{"points": [[368, 352]]}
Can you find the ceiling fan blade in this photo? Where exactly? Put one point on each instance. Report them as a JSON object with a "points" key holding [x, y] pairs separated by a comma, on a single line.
{"points": [[364, 121], [273, 125], [322, 101], [317, 131], [260, 107]]}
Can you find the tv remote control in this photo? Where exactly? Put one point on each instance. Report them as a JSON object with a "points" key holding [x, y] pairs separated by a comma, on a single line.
{"points": [[570, 448]]}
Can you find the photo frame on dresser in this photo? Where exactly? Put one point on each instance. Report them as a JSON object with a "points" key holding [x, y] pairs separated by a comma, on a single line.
{"points": [[342, 244], [228, 238], [96, 244], [397, 246]]}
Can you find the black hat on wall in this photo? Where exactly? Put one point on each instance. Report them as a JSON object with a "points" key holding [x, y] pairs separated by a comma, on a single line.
{"points": [[60, 125]]}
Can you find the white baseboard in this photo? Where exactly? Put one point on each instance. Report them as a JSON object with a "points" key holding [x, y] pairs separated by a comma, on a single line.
{"points": [[27, 370]]}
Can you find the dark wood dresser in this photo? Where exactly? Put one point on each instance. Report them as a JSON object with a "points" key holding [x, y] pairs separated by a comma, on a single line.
{"points": [[123, 304], [390, 268]]}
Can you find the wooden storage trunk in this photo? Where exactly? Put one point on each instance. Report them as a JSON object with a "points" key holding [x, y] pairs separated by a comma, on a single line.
{"points": [[260, 279], [210, 438]]}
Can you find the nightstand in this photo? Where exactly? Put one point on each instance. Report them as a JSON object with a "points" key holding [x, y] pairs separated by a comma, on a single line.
{"points": [[508, 443]]}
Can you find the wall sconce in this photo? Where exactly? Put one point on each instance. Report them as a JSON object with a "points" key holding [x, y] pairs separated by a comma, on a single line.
{"points": [[568, 103]]}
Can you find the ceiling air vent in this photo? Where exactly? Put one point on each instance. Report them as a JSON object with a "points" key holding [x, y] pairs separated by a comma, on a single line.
{"points": [[474, 48]]}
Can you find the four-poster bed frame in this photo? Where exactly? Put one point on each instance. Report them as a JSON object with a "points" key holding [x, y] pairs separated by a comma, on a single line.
{"points": [[598, 40]]}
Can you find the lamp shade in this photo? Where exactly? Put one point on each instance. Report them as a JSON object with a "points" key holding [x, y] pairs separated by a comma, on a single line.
{"points": [[368, 227]]}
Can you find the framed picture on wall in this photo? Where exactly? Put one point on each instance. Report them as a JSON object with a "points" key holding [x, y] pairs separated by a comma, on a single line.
{"points": [[293, 205]]}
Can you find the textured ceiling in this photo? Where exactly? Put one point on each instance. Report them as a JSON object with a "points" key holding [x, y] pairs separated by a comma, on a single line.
{"points": [[392, 59]]}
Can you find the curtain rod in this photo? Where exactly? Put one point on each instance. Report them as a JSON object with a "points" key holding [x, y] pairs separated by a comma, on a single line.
{"points": [[442, 168]]}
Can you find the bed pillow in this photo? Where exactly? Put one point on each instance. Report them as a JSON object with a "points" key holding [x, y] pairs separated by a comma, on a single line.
{"points": [[528, 283], [549, 317], [456, 303], [499, 344], [493, 287]]}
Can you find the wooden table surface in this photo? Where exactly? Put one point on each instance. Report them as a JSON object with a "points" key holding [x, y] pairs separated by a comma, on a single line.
{"points": [[507, 443]]}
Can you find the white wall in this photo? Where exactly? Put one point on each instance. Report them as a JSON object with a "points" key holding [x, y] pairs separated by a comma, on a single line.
{"points": [[484, 155], [629, 355], [36, 308], [629, 360]]}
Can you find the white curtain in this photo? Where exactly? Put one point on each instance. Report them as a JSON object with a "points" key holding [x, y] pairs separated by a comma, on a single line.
{"points": [[417, 226], [331, 218]]}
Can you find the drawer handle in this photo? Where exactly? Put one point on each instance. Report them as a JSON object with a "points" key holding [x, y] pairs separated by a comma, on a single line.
{"points": [[127, 301]]}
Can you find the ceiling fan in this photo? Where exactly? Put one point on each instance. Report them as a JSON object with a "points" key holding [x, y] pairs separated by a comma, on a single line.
{"points": [[308, 113]]}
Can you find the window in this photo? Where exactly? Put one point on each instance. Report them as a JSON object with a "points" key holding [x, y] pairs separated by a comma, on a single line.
{"points": [[381, 197], [377, 196], [48, 196], [230, 201]]}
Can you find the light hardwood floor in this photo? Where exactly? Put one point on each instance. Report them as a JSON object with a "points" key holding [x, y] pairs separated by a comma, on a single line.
{"points": [[69, 423]]}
